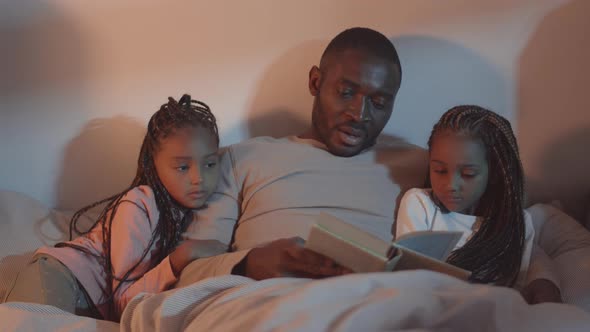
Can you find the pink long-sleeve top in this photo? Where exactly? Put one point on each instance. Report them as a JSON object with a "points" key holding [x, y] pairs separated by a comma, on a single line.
{"points": [[131, 232]]}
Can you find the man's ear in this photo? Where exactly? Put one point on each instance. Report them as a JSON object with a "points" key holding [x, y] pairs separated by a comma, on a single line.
{"points": [[315, 77]]}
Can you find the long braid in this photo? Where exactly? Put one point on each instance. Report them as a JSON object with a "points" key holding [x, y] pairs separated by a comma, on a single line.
{"points": [[494, 252], [173, 218]]}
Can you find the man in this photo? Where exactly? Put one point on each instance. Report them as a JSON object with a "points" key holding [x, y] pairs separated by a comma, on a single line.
{"points": [[271, 190]]}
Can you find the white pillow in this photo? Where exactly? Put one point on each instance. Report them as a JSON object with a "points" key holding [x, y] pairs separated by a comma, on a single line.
{"points": [[25, 224]]}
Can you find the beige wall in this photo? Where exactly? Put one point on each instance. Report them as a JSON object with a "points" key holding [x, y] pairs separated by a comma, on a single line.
{"points": [[79, 79]]}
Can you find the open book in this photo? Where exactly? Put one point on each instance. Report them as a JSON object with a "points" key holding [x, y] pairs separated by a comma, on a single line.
{"points": [[363, 252]]}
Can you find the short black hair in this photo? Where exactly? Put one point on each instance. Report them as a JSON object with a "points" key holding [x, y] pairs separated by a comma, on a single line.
{"points": [[364, 39]]}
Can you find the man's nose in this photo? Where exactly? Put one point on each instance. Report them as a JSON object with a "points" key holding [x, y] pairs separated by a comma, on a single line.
{"points": [[360, 110]]}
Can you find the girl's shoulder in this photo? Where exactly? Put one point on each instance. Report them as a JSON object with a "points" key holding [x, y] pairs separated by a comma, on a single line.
{"points": [[418, 197], [528, 225], [142, 196], [420, 194]]}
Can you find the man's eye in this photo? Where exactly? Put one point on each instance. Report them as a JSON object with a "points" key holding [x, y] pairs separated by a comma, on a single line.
{"points": [[379, 103], [346, 93]]}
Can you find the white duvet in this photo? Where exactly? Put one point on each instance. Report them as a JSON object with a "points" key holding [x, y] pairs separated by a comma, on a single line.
{"points": [[401, 301], [416, 300]]}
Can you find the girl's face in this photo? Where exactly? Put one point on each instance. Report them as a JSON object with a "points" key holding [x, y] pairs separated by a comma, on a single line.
{"points": [[458, 171], [187, 164]]}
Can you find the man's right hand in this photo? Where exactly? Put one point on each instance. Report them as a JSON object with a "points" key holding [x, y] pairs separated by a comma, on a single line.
{"points": [[288, 258]]}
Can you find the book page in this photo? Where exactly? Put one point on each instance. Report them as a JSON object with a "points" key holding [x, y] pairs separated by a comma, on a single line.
{"points": [[410, 260], [434, 244]]}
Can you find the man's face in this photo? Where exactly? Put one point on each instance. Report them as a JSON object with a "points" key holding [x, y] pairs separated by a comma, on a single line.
{"points": [[354, 95]]}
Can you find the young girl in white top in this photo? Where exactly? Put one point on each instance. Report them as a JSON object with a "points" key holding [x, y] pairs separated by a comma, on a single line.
{"points": [[135, 245], [477, 187]]}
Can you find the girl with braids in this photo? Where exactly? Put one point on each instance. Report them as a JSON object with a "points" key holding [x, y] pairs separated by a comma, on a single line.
{"points": [[136, 243], [477, 186]]}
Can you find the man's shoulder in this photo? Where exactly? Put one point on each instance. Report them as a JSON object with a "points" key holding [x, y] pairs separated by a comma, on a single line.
{"points": [[407, 162], [255, 145], [398, 146], [260, 140]]}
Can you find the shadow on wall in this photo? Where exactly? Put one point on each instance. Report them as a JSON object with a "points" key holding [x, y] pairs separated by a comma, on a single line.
{"points": [[554, 109], [41, 52], [437, 75], [97, 163], [282, 104], [43, 85]]}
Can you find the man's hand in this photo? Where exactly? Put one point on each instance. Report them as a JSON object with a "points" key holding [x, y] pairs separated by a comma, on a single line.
{"points": [[541, 290], [188, 250], [288, 258]]}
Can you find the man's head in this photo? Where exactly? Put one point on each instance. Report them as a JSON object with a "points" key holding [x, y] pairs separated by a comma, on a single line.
{"points": [[354, 89]]}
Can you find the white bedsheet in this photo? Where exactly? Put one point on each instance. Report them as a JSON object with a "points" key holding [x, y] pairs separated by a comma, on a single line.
{"points": [[402, 301], [394, 301], [24, 317]]}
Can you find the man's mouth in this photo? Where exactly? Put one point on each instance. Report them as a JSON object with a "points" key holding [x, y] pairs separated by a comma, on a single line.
{"points": [[351, 136]]}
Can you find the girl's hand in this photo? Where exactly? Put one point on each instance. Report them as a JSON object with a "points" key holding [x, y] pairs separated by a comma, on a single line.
{"points": [[189, 250], [541, 290]]}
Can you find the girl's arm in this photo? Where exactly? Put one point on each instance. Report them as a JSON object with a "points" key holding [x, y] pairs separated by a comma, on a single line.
{"points": [[412, 213], [190, 250], [131, 232]]}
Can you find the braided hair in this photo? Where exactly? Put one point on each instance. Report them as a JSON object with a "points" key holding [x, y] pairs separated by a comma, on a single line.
{"points": [[494, 252], [173, 218]]}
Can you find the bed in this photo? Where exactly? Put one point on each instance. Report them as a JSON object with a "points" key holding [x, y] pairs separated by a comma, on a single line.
{"points": [[411, 300]]}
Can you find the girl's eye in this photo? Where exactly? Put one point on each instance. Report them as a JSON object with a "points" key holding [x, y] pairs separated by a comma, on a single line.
{"points": [[183, 168], [211, 164], [469, 175]]}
